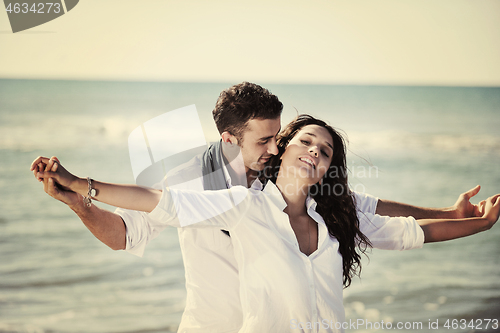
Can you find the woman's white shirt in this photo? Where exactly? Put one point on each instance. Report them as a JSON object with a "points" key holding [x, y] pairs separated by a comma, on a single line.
{"points": [[281, 289]]}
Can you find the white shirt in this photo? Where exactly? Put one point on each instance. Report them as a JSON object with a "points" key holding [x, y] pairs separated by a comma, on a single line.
{"points": [[213, 301], [281, 289]]}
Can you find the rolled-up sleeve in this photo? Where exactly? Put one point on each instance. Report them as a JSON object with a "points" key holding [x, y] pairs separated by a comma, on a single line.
{"points": [[391, 233], [140, 230]]}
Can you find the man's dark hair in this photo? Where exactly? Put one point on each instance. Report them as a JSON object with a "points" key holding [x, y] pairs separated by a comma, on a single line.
{"points": [[242, 102]]}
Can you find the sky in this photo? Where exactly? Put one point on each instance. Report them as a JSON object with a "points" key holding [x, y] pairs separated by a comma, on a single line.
{"points": [[382, 42]]}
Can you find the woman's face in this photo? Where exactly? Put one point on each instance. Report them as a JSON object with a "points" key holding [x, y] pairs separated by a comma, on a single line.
{"points": [[308, 154]]}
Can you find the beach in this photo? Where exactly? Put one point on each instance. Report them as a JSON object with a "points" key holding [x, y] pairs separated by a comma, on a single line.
{"points": [[415, 144]]}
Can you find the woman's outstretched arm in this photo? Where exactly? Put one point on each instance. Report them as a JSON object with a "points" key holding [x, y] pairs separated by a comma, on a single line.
{"points": [[124, 196], [438, 230]]}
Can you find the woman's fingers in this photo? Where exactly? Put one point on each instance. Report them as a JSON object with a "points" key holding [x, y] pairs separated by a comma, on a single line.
{"points": [[38, 165], [494, 199], [51, 163], [41, 167], [41, 164], [481, 206], [492, 208], [37, 161], [48, 166]]}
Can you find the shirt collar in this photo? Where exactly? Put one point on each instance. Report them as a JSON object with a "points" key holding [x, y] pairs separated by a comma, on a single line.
{"points": [[256, 185], [227, 177], [311, 205], [277, 198], [275, 195]]}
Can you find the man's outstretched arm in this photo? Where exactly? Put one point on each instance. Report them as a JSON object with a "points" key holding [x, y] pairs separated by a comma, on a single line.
{"points": [[106, 226], [463, 208]]}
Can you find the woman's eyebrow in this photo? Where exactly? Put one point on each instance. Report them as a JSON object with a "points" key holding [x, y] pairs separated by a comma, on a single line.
{"points": [[327, 143]]}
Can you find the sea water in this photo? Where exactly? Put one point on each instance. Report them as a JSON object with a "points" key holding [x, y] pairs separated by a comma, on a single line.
{"points": [[419, 145]]}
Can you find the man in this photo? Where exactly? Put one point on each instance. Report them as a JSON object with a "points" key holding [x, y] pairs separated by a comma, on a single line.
{"points": [[248, 118]]}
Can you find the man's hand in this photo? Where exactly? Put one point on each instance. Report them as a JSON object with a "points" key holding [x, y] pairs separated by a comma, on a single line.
{"points": [[463, 208], [44, 165]]}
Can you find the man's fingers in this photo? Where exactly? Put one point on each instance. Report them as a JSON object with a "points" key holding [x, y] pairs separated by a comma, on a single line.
{"points": [[48, 174], [52, 189], [472, 192]]}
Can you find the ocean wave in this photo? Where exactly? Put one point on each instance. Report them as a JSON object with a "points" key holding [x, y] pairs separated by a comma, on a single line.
{"points": [[400, 140], [67, 132]]}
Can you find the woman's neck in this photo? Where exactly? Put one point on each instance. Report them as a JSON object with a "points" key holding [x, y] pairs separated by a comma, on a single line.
{"points": [[294, 191]]}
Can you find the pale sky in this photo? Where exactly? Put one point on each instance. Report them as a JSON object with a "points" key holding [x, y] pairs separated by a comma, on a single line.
{"points": [[415, 42]]}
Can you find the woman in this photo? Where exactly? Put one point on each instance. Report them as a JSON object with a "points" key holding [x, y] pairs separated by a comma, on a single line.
{"points": [[298, 242]]}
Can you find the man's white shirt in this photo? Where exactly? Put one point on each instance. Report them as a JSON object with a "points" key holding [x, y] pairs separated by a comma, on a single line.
{"points": [[213, 301]]}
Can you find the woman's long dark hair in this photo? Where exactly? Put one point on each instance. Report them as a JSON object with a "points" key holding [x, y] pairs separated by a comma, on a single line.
{"points": [[335, 201]]}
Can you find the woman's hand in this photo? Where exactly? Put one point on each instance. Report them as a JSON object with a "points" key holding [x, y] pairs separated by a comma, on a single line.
{"points": [[45, 168], [55, 190], [491, 208]]}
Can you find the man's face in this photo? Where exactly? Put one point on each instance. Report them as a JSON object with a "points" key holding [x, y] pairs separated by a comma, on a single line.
{"points": [[259, 142]]}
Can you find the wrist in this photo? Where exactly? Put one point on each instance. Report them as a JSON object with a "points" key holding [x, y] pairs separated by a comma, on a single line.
{"points": [[78, 205], [488, 222], [489, 219], [79, 185], [451, 212]]}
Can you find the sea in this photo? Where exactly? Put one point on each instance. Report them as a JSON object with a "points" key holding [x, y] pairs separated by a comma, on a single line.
{"points": [[421, 145]]}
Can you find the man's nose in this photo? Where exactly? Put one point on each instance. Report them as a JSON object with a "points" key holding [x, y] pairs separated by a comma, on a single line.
{"points": [[272, 148]]}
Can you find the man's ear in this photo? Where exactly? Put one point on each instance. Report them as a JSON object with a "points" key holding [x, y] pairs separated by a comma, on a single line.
{"points": [[229, 138]]}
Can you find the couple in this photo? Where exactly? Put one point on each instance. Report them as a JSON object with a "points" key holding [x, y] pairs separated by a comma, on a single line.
{"points": [[288, 254]]}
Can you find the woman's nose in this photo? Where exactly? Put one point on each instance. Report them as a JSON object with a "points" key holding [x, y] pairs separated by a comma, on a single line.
{"points": [[314, 151]]}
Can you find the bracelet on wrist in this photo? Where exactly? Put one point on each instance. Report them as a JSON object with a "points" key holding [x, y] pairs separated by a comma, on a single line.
{"points": [[90, 194]]}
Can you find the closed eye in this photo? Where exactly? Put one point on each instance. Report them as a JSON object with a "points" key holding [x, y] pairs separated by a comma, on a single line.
{"points": [[324, 153]]}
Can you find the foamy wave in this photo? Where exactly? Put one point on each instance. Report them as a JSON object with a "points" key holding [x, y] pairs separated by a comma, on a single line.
{"points": [[67, 133], [399, 140]]}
